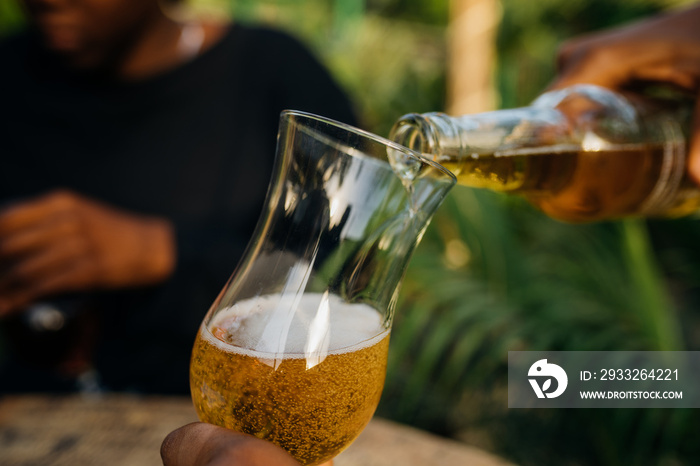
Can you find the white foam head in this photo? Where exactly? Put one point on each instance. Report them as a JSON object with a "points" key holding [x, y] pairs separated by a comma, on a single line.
{"points": [[297, 326]]}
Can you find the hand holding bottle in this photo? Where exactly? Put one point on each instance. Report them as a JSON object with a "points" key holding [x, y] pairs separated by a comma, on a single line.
{"points": [[661, 50], [589, 149], [63, 242]]}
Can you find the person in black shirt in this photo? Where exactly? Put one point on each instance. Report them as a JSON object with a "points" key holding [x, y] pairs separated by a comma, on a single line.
{"points": [[136, 155]]}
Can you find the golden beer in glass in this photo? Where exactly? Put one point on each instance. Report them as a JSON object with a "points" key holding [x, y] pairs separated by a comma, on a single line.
{"points": [[311, 412]]}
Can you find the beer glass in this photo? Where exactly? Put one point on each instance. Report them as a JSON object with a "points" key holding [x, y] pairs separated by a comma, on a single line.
{"points": [[294, 348]]}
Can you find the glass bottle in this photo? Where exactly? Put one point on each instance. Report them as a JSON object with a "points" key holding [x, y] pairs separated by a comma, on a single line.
{"points": [[583, 153]]}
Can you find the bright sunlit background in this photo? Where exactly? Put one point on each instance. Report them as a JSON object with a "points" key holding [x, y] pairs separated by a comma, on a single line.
{"points": [[492, 274]]}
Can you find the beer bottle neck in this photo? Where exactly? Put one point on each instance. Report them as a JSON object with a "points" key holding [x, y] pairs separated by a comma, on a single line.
{"points": [[502, 132]]}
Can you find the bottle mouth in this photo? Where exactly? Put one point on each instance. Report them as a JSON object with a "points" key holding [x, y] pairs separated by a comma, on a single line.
{"points": [[415, 132]]}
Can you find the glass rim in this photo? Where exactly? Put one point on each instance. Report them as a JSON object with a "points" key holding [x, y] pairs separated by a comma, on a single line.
{"points": [[375, 137]]}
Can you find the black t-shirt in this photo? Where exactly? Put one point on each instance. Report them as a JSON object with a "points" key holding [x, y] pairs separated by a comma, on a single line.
{"points": [[195, 145]]}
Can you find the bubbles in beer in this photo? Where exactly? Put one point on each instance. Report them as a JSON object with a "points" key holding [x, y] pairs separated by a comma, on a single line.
{"points": [[312, 410]]}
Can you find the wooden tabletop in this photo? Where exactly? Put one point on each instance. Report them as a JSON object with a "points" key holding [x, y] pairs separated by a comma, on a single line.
{"points": [[116, 430]]}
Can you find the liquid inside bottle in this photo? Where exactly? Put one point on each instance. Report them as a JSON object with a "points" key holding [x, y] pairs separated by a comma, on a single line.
{"points": [[580, 186]]}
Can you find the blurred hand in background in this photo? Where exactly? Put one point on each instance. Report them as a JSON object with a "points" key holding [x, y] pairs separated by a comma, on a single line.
{"points": [[63, 242]]}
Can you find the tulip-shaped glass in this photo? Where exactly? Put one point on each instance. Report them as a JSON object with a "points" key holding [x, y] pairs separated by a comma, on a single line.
{"points": [[294, 348]]}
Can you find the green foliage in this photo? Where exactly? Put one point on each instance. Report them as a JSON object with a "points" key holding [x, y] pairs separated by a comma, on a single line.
{"points": [[432, 12], [11, 17], [526, 282], [390, 65]]}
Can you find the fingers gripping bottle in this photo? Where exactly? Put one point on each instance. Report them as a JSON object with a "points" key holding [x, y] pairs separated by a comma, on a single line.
{"points": [[580, 154]]}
